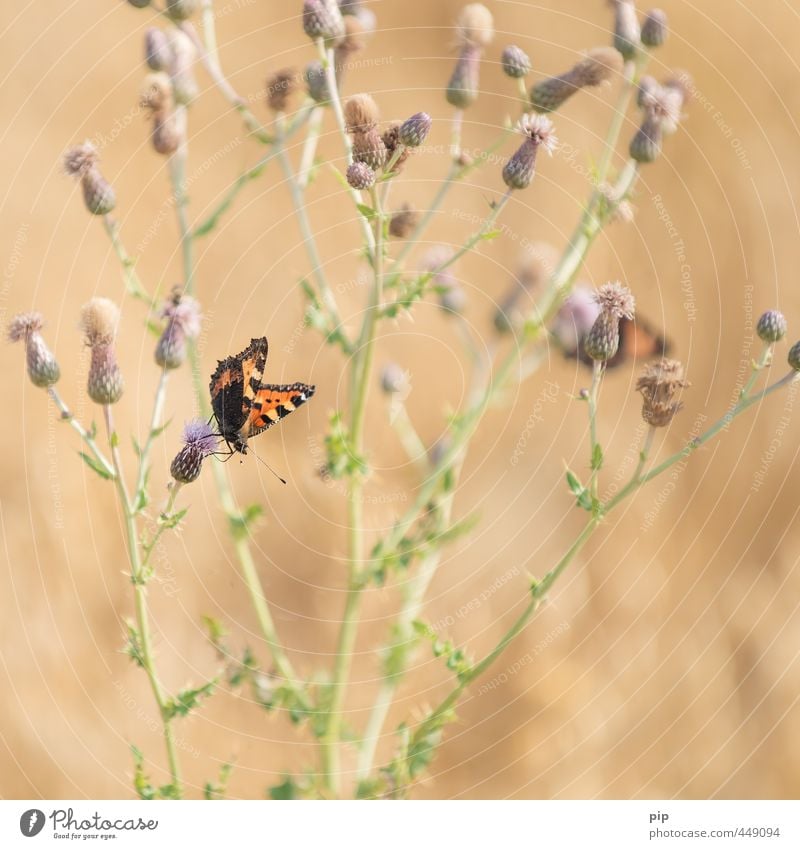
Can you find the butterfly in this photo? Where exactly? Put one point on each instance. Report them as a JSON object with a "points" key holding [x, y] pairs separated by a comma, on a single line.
{"points": [[638, 341], [244, 406]]}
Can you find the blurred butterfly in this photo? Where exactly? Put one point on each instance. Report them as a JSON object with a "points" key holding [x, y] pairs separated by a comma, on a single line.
{"points": [[638, 339], [244, 406]]}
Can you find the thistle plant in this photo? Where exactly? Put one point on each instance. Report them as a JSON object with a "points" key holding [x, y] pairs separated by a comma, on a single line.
{"points": [[545, 304]]}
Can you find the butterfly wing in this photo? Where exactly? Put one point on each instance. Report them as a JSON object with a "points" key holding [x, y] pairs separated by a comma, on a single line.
{"points": [[235, 384], [271, 403], [638, 340]]}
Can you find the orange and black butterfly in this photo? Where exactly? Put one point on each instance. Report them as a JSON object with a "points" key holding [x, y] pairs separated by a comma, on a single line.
{"points": [[244, 406], [638, 340]]}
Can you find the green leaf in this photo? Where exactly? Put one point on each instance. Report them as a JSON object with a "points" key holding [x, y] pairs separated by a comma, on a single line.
{"points": [[141, 781], [187, 700], [113, 439], [576, 487], [133, 646], [489, 235], [95, 466], [367, 211], [597, 458], [172, 520], [217, 790], [157, 431]]}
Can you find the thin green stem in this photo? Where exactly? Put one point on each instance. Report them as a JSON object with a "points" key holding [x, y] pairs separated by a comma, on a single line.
{"points": [[757, 367], [309, 146], [145, 645], [595, 454], [177, 170], [85, 435], [149, 547], [144, 455], [409, 438], [133, 284]]}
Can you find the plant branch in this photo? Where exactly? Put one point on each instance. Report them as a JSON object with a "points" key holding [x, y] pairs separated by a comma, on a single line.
{"points": [[85, 435]]}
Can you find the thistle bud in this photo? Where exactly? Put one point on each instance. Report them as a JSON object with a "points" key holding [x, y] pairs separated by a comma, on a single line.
{"points": [[538, 131], [414, 130], [317, 82], [646, 144], [139, 4], [98, 194], [515, 62], [157, 50], [794, 357], [393, 379], [322, 19], [99, 320], [615, 302], [626, 28], [575, 319], [280, 87], [199, 441], [360, 113], [181, 70], [771, 326], [661, 106], [654, 28], [403, 222], [360, 176], [156, 94], [166, 135], [596, 68], [462, 90], [180, 10], [659, 383], [43, 369], [182, 314], [370, 148]]}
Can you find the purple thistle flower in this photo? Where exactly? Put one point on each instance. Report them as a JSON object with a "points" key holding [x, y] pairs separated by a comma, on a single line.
{"points": [[199, 440]]}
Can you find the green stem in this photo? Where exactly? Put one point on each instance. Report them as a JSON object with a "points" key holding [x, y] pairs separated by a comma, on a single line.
{"points": [[140, 592], [597, 377], [309, 146], [132, 282], [149, 547], [88, 438], [155, 423], [409, 438], [177, 169], [757, 367]]}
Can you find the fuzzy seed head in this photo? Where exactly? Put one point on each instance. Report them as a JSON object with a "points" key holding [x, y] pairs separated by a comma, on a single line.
{"points": [[654, 28], [354, 40], [403, 222], [659, 383], [617, 299], [360, 176], [771, 326], [280, 87], [475, 26], [360, 113], [515, 62], [99, 321], [794, 357], [462, 90], [414, 130], [597, 67], [42, 367], [80, 159], [539, 130], [156, 94]]}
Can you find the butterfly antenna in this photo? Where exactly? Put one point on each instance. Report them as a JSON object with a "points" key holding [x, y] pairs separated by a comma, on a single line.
{"points": [[266, 464]]}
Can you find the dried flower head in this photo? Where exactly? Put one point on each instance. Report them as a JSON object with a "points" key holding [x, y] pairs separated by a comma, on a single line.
{"points": [[360, 176], [199, 441], [474, 26], [166, 135], [181, 68], [280, 87], [515, 62], [354, 41], [414, 130], [81, 161], [538, 131], [157, 50], [156, 93], [403, 222], [42, 367], [659, 383], [654, 28], [596, 68], [183, 317], [626, 28], [323, 19], [370, 148], [771, 326], [616, 299], [360, 113], [99, 321]]}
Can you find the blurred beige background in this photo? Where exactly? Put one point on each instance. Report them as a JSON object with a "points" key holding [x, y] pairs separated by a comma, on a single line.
{"points": [[665, 665]]}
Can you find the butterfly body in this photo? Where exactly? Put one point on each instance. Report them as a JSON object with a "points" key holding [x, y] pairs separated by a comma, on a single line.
{"points": [[243, 406]]}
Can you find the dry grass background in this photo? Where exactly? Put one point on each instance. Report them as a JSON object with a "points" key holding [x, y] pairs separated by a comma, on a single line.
{"points": [[672, 667]]}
